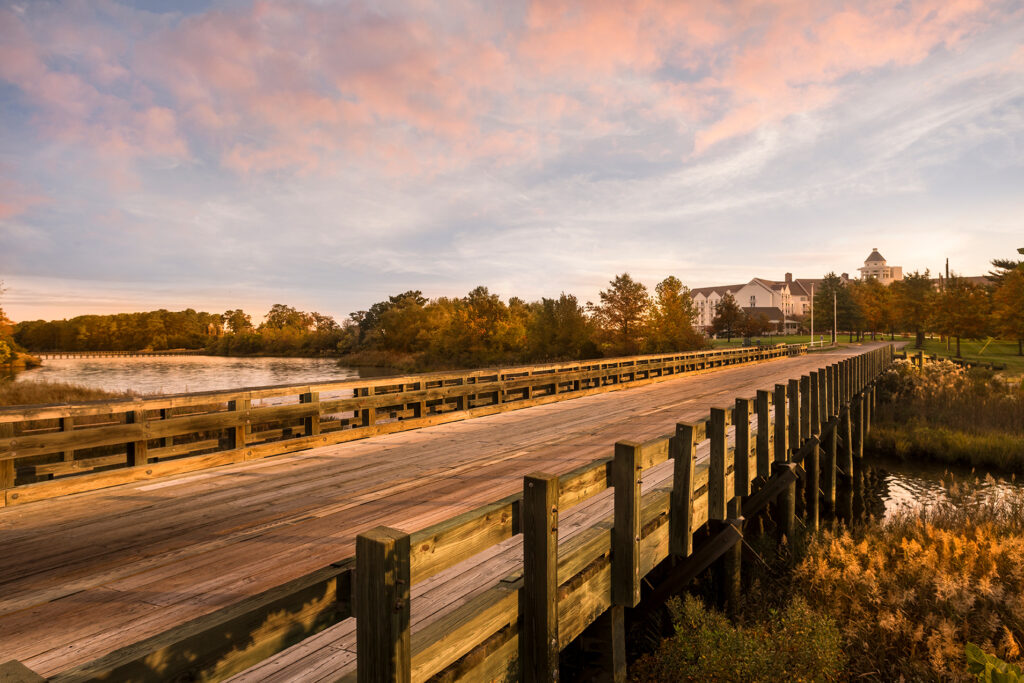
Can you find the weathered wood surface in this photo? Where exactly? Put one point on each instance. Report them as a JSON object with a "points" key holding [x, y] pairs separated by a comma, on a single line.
{"points": [[87, 574], [252, 423]]}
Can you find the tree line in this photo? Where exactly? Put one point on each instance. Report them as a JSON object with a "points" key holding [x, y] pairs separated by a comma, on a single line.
{"points": [[479, 328], [954, 307]]}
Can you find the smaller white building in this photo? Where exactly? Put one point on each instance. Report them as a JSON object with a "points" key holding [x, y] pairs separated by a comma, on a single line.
{"points": [[875, 267]]}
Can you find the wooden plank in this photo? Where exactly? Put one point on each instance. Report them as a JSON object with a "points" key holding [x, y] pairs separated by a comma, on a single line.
{"points": [[583, 483], [382, 606], [447, 543], [538, 638], [137, 451], [626, 473], [229, 640]]}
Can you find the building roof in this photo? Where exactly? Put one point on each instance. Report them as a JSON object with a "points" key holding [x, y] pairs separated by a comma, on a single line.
{"points": [[721, 290], [772, 313], [874, 256]]}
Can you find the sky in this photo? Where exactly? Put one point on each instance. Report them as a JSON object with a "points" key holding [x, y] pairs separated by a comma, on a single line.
{"points": [[325, 155]]}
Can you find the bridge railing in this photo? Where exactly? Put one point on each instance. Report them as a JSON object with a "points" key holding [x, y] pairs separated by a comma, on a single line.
{"points": [[53, 450], [725, 467]]}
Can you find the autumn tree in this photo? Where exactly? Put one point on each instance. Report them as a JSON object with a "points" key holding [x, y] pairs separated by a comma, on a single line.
{"points": [[560, 329], [961, 310], [670, 324], [620, 315], [728, 317], [1008, 307], [913, 298], [237, 321], [754, 324]]}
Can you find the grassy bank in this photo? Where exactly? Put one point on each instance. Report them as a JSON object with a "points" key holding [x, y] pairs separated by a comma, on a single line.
{"points": [[898, 599], [997, 352], [946, 413], [36, 393]]}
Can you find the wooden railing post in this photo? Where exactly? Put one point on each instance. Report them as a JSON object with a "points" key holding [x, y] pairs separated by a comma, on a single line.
{"points": [[795, 437], [741, 460], [16, 672], [858, 426], [138, 451], [718, 496], [815, 403], [836, 389], [368, 415], [238, 435], [684, 456], [382, 606], [538, 643], [764, 433], [785, 510], [626, 477], [7, 465], [781, 425], [311, 423], [67, 424]]}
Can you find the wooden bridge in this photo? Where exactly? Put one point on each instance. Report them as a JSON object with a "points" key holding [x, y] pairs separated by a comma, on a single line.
{"points": [[244, 566], [49, 355]]}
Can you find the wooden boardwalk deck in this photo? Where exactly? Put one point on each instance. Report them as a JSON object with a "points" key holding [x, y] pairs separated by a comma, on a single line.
{"points": [[85, 574]]}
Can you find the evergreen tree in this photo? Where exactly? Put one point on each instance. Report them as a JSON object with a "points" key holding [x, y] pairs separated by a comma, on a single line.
{"points": [[913, 298], [728, 317], [621, 314]]}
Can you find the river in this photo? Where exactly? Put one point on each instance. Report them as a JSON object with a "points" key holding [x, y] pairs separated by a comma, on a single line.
{"points": [[898, 486], [181, 374]]}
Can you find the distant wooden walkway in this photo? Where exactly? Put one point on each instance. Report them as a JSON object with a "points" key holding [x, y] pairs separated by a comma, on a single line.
{"points": [[86, 574], [51, 355]]}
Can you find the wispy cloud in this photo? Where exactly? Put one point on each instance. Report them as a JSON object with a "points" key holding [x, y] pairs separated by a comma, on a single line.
{"points": [[347, 151]]}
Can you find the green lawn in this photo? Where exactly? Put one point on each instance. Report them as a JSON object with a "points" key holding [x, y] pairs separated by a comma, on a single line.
{"points": [[765, 339], [998, 352]]}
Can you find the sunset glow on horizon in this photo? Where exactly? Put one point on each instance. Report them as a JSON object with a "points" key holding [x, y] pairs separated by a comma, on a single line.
{"points": [[326, 155]]}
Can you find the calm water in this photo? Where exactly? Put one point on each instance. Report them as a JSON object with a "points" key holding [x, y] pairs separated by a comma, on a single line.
{"points": [[180, 374], [902, 486]]}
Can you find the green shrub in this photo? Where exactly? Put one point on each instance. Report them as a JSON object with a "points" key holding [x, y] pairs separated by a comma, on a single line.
{"points": [[793, 644], [989, 668]]}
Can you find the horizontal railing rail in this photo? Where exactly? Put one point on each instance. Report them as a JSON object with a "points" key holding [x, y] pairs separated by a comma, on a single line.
{"points": [[728, 465], [56, 449]]}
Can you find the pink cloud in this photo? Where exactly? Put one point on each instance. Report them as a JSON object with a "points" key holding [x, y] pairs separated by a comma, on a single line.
{"points": [[422, 88]]}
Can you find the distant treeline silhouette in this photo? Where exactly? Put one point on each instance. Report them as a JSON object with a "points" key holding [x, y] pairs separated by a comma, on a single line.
{"points": [[477, 329]]}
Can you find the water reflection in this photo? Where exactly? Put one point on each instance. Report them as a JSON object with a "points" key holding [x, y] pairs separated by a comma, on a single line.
{"points": [[179, 374], [892, 486]]}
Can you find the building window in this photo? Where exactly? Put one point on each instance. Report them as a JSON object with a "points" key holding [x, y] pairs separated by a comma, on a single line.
{"points": [[753, 301]]}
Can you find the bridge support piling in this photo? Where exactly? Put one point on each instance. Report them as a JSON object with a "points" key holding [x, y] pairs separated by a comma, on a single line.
{"points": [[605, 642]]}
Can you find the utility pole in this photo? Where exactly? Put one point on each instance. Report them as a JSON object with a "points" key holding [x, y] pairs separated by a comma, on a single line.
{"points": [[812, 314], [835, 318]]}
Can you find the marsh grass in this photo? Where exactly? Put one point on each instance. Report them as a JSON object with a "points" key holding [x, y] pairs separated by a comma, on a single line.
{"points": [[909, 593], [886, 600], [38, 393], [947, 413]]}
